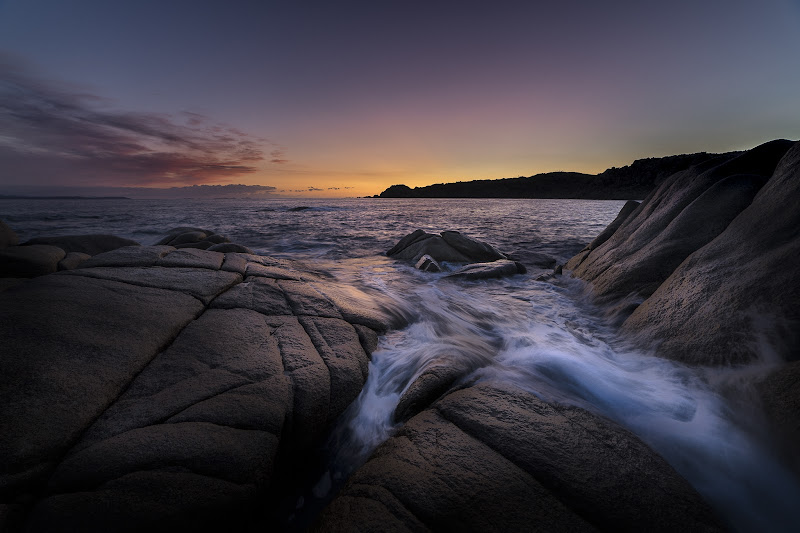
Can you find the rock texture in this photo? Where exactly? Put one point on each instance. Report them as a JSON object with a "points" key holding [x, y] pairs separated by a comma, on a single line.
{"points": [[494, 458], [713, 255], [450, 246], [712, 258], [161, 388]]}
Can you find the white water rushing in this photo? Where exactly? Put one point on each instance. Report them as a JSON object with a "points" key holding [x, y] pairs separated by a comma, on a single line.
{"points": [[551, 341]]}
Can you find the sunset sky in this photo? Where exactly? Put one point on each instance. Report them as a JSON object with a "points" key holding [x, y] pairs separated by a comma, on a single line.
{"points": [[341, 98]]}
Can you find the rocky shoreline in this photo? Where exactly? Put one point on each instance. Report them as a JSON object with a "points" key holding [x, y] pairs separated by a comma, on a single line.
{"points": [[160, 387], [175, 385]]}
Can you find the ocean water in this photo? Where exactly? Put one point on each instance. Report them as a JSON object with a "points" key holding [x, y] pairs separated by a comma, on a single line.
{"points": [[549, 339]]}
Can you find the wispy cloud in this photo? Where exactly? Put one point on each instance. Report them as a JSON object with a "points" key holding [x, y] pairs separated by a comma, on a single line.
{"points": [[54, 135], [278, 157]]}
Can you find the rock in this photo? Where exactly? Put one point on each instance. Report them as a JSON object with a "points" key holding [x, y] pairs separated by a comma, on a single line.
{"points": [[494, 458], [29, 261], [145, 397], [201, 283], [374, 310], [451, 246], [193, 258], [475, 250], [86, 244], [8, 283], [200, 245], [368, 338], [433, 246], [70, 346], [432, 383], [259, 294], [779, 392], [629, 207], [403, 243], [685, 213], [695, 226], [150, 501], [7, 236], [175, 232], [129, 256], [230, 247], [738, 291], [541, 260], [427, 263], [495, 269], [72, 260], [217, 239]]}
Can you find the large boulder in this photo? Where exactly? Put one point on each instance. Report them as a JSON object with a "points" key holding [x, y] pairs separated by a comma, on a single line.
{"points": [[86, 244], [475, 250], [450, 246]]}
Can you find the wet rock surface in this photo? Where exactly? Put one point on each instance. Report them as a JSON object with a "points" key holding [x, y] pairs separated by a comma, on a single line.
{"points": [[491, 457], [156, 387], [493, 269]]}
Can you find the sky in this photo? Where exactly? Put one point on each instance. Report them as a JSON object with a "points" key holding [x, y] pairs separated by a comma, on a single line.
{"points": [[341, 98]]}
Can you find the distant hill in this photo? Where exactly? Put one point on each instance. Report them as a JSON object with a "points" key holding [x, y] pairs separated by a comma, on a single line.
{"points": [[633, 181]]}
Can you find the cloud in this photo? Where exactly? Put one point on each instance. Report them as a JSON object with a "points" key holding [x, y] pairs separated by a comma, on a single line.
{"points": [[54, 135], [278, 157]]}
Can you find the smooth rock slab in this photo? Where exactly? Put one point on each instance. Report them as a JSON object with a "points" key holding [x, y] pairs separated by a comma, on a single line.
{"points": [[192, 258], [259, 294], [69, 345], [220, 352], [201, 283]]}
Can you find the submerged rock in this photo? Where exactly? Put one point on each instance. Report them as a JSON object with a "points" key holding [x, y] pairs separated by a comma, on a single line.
{"points": [[494, 269]]}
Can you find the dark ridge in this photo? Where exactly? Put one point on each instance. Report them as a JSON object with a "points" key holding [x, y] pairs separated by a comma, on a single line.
{"points": [[632, 181]]}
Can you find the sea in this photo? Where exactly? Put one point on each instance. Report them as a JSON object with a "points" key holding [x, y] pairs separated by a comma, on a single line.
{"points": [[547, 337]]}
